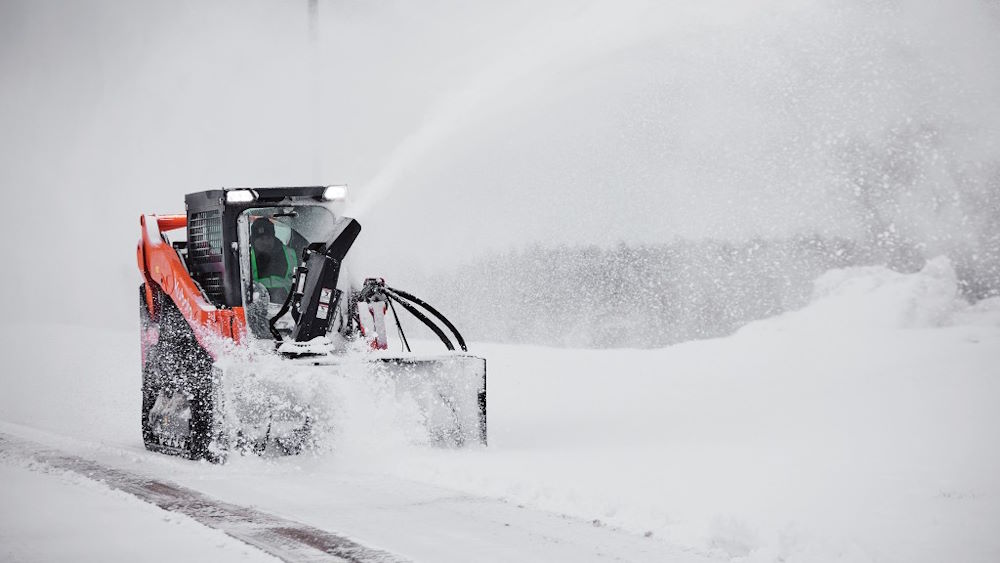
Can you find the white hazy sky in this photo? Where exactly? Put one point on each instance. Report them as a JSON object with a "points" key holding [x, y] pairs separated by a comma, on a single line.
{"points": [[462, 126]]}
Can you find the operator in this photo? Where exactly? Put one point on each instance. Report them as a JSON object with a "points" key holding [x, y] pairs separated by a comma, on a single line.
{"points": [[271, 262]]}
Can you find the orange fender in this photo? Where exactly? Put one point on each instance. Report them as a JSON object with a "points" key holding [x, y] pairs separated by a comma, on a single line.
{"points": [[160, 265]]}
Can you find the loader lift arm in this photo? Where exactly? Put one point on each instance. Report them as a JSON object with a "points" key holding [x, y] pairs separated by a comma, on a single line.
{"points": [[163, 270]]}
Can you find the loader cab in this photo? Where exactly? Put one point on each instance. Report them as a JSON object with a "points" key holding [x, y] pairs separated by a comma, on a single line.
{"points": [[271, 241], [219, 238], [287, 230]]}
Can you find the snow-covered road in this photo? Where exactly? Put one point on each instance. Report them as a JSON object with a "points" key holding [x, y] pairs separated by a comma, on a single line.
{"points": [[864, 427], [51, 514], [406, 520], [286, 539]]}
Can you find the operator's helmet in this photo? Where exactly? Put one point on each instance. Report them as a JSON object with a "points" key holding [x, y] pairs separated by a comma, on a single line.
{"points": [[262, 227]]}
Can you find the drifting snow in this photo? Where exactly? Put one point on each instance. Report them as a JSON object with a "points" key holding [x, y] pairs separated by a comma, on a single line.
{"points": [[865, 426]]}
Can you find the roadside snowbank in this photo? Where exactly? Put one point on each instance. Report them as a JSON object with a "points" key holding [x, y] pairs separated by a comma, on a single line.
{"points": [[877, 298]]}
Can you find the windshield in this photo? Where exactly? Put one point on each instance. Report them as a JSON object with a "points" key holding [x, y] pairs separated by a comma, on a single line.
{"points": [[296, 226], [272, 240]]}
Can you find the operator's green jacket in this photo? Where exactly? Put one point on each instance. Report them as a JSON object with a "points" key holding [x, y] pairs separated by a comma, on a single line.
{"points": [[273, 282]]}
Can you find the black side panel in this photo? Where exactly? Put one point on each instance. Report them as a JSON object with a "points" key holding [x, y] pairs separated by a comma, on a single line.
{"points": [[211, 232], [320, 296], [205, 253], [321, 287]]}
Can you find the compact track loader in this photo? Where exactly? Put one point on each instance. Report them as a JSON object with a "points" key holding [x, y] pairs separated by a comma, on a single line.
{"points": [[246, 318]]}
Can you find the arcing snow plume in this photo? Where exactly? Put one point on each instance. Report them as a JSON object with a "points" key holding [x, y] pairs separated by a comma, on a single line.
{"points": [[867, 121], [536, 50], [598, 29]]}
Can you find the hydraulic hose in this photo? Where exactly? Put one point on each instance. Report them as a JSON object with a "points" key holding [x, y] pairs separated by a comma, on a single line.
{"points": [[274, 320], [397, 293], [399, 326], [422, 318]]}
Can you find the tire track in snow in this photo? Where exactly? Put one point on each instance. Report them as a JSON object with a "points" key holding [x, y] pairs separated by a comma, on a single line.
{"points": [[285, 539]]}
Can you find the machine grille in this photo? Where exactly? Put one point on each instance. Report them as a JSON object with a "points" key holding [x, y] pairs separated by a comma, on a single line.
{"points": [[205, 253], [205, 238], [211, 283]]}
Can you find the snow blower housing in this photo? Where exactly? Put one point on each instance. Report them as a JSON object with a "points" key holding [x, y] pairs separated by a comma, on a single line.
{"points": [[265, 265]]}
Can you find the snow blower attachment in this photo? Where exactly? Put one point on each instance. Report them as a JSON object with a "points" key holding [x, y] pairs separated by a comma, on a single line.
{"points": [[246, 322]]}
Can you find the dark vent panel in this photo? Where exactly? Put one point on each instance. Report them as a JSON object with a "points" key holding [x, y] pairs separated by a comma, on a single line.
{"points": [[205, 238], [212, 284]]}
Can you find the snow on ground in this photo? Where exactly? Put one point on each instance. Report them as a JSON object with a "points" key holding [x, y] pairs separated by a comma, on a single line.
{"points": [[864, 427], [51, 515]]}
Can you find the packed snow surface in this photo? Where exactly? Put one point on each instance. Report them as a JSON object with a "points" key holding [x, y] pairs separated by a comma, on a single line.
{"points": [[50, 515], [865, 426]]}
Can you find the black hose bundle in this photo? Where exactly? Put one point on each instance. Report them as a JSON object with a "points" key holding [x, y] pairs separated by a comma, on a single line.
{"points": [[284, 309], [375, 290], [422, 318], [399, 294]]}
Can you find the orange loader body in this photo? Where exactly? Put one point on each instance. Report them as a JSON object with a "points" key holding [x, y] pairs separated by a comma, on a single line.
{"points": [[161, 266]]}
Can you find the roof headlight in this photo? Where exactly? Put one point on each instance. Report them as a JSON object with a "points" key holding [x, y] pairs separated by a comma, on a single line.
{"points": [[335, 193], [240, 196]]}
